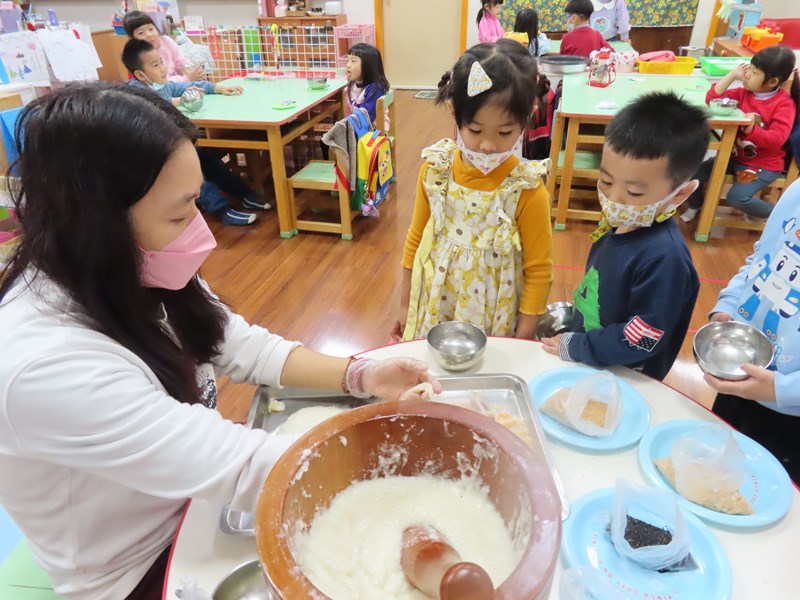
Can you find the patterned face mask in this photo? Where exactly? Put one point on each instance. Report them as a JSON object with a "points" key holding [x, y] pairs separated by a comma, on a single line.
{"points": [[623, 215], [487, 163]]}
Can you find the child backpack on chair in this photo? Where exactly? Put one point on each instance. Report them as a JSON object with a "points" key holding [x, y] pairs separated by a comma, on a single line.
{"points": [[375, 172]]}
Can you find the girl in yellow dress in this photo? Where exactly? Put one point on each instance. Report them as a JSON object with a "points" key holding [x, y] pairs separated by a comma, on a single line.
{"points": [[479, 248]]}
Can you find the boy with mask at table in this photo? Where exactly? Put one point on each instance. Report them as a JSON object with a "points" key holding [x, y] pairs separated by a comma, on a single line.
{"points": [[634, 304]]}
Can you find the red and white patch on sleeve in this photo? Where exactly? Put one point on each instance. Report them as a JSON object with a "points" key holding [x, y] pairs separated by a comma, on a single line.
{"points": [[641, 335]]}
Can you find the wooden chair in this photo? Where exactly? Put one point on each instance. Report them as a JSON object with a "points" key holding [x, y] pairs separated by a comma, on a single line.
{"points": [[585, 171], [775, 189], [386, 103], [320, 175]]}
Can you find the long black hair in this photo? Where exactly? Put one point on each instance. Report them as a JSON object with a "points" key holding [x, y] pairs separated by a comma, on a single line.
{"points": [[779, 61], [512, 71], [482, 11], [528, 22], [371, 65], [87, 154]]}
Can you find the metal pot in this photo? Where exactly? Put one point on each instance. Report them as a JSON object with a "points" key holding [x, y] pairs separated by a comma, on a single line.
{"points": [[563, 64]]}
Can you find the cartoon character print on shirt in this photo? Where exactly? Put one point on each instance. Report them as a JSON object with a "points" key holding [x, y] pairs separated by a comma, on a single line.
{"points": [[775, 283], [601, 25], [587, 300], [207, 382]]}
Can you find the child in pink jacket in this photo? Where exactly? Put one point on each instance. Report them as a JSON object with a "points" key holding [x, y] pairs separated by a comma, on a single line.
{"points": [[139, 25], [489, 28]]}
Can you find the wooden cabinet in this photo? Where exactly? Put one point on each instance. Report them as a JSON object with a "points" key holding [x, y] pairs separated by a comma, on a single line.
{"points": [[109, 47], [729, 47]]}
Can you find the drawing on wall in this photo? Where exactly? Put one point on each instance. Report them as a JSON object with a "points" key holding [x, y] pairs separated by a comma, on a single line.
{"points": [[22, 58]]}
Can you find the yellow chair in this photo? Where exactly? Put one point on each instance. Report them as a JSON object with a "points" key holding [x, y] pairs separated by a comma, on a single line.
{"points": [[775, 189], [321, 175]]}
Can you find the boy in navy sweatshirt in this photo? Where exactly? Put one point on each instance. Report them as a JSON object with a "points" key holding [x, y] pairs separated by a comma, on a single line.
{"points": [[634, 304]]}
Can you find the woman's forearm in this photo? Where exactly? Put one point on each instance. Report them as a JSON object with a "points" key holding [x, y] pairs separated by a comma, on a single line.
{"points": [[309, 369]]}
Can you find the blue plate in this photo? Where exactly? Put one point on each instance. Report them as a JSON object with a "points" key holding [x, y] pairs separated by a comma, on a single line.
{"points": [[766, 484], [586, 541], [635, 415]]}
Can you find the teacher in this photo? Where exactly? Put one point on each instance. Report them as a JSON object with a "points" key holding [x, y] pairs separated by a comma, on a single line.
{"points": [[111, 344]]}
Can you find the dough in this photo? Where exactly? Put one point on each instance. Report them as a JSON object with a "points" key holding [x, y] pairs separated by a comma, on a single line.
{"points": [[422, 391], [306, 419], [556, 407], [515, 425], [732, 503], [351, 551]]}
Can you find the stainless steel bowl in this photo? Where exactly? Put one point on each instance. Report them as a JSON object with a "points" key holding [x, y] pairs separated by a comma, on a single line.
{"points": [[722, 348], [723, 107], [457, 346], [245, 582], [192, 100], [563, 64], [317, 83], [556, 319]]}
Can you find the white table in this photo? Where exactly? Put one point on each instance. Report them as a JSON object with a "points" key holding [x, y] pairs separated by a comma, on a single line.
{"points": [[763, 562]]}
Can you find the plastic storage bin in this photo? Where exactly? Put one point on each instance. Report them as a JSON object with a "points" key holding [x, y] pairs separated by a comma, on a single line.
{"points": [[719, 66], [682, 65]]}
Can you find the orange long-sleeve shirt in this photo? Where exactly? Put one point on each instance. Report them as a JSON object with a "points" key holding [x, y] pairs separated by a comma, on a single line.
{"points": [[533, 221]]}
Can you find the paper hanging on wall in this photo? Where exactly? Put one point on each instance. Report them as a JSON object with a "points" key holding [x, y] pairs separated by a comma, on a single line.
{"points": [[193, 24], [69, 58], [23, 58]]}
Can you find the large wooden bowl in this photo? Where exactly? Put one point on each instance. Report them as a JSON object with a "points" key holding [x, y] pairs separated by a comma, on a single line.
{"points": [[415, 438]]}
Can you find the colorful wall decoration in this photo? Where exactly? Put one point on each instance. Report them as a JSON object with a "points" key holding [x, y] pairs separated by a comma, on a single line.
{"points": [[643, 13]]}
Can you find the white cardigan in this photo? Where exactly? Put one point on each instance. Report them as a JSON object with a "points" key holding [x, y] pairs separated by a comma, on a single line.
{"points": [[97, 461]]}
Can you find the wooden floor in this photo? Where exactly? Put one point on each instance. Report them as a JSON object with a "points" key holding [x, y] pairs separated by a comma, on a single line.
{"points": [[340, 297]]}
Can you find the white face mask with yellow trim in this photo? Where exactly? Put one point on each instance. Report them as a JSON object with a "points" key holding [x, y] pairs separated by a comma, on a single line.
{"points": [[625, 215]]}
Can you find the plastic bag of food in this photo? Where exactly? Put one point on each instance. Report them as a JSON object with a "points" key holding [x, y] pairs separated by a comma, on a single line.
{"points": [[706, 466], [593, 407], [647, 526]]}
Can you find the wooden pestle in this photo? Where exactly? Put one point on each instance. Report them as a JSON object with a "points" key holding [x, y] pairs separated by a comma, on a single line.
{"points": [[435, 568]]}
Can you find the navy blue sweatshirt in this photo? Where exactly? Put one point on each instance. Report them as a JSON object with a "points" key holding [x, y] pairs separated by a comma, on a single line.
{"points": [[635, 302]]}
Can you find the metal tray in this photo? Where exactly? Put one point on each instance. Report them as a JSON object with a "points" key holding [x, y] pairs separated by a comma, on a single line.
{"points": [[490, 393]]}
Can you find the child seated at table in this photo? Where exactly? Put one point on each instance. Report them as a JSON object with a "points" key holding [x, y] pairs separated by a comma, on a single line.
{"points": [[766, 405], [140, 26], [634, 304], [480, 247], [148, 70], [581, 39], [367, 80], [759, 154]]}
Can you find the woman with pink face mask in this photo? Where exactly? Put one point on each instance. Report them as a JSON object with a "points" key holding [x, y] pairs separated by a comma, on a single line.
{"points": [[111, 344]]}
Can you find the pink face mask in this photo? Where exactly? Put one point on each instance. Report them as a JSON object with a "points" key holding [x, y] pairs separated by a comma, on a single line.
{"points": [[174, 266]]}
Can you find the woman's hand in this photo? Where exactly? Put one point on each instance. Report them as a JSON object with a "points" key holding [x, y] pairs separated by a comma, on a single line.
{"points": [[760, 385], [720, 317], [551, 345], [390, 379]]}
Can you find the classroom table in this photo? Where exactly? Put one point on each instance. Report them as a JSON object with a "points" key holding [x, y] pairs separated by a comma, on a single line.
{"points": [[762, 561], [254, 121], [618, 46], [580, 105], [730, 47]]}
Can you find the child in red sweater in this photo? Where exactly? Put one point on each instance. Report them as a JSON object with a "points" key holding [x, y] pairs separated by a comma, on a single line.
{"points": [[581, 39], [759, 154]]}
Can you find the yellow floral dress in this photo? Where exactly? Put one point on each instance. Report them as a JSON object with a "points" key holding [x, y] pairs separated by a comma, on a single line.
{"points": [[468, 266]]}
